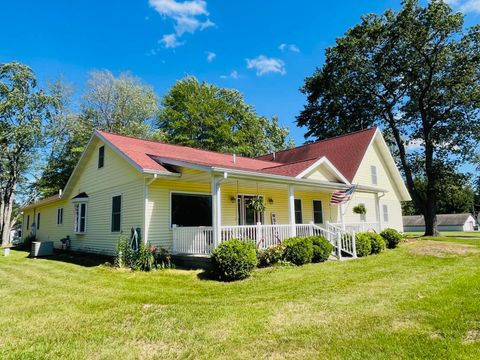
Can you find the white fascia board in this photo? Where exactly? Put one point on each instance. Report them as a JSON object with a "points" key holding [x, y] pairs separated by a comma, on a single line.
{"points": [[316, 164]]}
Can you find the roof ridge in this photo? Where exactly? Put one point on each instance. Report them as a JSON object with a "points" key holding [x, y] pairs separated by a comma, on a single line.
{"points": [[178, 145], [319, 141]]}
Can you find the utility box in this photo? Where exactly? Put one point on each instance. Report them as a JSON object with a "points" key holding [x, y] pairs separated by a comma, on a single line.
{"points": [[41, 248]]}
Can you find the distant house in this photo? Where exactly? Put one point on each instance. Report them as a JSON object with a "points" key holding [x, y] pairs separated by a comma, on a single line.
{"points": [[189, 200], [445, 222]]}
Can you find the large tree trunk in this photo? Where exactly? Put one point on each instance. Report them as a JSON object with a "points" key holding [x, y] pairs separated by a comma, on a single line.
{"points": [[6, 218]]}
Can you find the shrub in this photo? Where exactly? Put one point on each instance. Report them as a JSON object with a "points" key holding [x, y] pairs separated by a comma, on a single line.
{"points": [[392, 238], [363, 244], [270, 256], [125, 256], [377, 242], [298, 251], [163, 259], [321, 249], [234, 259], [145, 259]]}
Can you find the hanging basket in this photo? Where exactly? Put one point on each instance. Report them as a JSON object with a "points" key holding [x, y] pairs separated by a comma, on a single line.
{"points": [[257, 204]]}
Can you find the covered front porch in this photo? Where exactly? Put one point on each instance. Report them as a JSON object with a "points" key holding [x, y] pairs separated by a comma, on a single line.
{"points": [[202, 220]]}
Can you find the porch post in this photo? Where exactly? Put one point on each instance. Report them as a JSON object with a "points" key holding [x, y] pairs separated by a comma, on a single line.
{"points": [[377, 209], [342, 215], [216, 210], [291, 210]]}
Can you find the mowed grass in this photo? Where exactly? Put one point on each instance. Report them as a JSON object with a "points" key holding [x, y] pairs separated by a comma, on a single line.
{"points": [[405, 303]]}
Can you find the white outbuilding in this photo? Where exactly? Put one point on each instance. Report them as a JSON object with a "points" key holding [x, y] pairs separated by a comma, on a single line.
{"points": [[445, 222]]}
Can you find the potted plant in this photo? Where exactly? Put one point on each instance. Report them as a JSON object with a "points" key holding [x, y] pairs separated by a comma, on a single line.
{"points": [[257, 204], [360, 209]]}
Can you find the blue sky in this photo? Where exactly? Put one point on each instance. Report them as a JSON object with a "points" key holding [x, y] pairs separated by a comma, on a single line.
{"points": [[263, 48]]}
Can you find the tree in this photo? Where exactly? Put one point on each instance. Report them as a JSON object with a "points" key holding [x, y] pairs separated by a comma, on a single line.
{"points": [[122, 105], [205, 116], [455, 194], [415, 73], [25, 111]]}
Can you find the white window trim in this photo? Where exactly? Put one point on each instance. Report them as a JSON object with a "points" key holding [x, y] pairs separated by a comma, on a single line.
{"points": [[121, 213], [301, 210], [184, 192], [79, 203], [313, 211], [58, 209], [373, 169]]}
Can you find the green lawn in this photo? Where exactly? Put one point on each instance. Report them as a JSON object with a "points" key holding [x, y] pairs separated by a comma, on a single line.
{"points": [[419, 301]]}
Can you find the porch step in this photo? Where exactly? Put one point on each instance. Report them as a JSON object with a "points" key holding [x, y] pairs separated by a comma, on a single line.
{"points": [[192, 261]]}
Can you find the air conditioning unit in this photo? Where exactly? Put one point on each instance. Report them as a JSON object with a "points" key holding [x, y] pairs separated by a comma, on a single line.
{"points": [[41, 248]]}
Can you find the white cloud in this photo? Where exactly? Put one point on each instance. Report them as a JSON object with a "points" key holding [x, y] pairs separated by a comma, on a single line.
{"points": [[466, 6], [170, 41], [264, 65], [232, 75], [291, 47], [188, 16], [211, 56]]}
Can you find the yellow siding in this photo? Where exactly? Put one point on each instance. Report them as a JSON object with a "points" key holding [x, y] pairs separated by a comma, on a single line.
{"points": [[158, 205], [115, 178], [323, 174], [384, 180]]}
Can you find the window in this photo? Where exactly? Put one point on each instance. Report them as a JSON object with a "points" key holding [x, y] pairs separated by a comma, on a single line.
{"points": [[191, 210], [373, 170], [59, 216], [116, 213], [38, 221], [80, 220], [317, 212], [385, 213], [246, 215], [363, 217], [101, 156], [28, 222], [298, 211]]}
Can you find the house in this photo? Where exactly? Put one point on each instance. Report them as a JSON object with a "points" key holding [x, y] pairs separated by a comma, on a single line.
{"points": [[188, 200], [445, 222]]}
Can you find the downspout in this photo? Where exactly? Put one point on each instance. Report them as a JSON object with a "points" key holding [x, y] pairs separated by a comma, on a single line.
{"points": [[145, 207]]}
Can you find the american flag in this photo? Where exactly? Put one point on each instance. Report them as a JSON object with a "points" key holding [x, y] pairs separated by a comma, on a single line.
{"points": [[342, 196]]}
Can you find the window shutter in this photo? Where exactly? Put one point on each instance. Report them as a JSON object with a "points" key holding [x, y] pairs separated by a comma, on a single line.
{"points": [[101, 156], [385, 213], [373, 170]]}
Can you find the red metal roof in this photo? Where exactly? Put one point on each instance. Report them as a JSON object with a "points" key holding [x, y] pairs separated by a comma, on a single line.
{"points": [[344, 152]]}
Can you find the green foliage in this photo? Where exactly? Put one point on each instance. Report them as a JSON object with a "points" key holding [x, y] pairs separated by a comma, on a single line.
{"points": [[322, 249], [363, 244], [298, 251], [205, 116], [378, 244], [234, 259], [360, 209], [125, 256], [392, 237], [257, 204], [163, 260], [145, 258], [270, 256], [414, 72]]}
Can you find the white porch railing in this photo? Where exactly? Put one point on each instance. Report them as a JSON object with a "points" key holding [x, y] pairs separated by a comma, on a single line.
{"points": [[200, 240], [357, 227]]}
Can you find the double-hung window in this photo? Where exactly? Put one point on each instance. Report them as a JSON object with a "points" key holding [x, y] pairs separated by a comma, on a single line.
{"points": [[80, 217], [298, 211], [116, 213], [59, 216], [317, 212]]}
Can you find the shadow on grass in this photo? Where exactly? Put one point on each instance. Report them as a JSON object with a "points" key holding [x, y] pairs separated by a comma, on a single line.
{"points": [[208, 275], [71, 257]]}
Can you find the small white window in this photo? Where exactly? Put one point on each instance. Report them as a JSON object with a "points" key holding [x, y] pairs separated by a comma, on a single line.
{"points": [[80, 220], [373, 170], [385, 213], [59, 216]]}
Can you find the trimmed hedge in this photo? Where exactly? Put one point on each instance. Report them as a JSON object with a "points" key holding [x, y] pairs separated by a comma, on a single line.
{"points": [[298, 251], [392, 237], [234, 259], [378, 244], [363, 244], [270, 256], [321, 249]]}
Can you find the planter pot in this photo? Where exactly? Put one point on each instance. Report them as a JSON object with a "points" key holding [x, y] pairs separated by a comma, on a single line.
{"points": [[6, 251]]}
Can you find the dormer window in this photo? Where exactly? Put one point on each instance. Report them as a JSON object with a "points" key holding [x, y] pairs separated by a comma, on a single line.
{"points": [[101, 156]]}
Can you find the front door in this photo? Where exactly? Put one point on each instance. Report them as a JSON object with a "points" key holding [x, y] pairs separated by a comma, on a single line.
{"points": [[246, 215]]}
